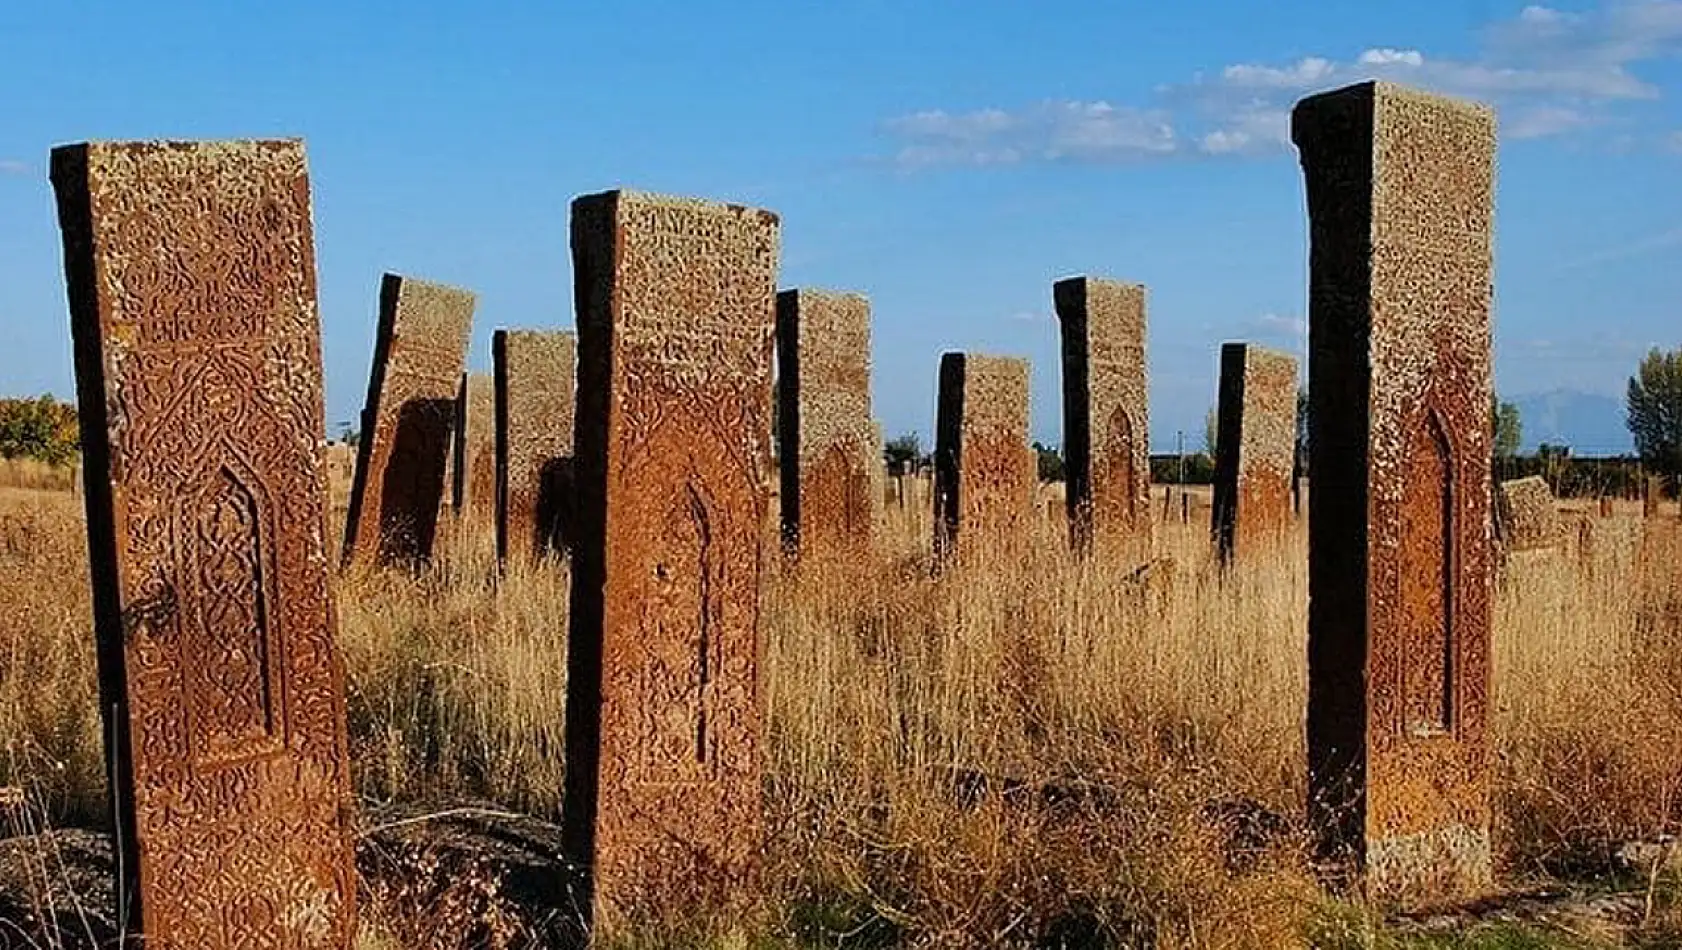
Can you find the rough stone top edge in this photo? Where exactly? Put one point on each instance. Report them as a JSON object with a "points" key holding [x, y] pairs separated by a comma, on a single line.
{"points": [[989, 363], [123, 145], [824, 294], [1380, 92], [1260, 352], [1089, 280], [639, 197], [543, 332], [404, 282]]}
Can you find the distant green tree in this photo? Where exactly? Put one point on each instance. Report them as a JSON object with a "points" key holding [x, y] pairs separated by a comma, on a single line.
{"points": [[904, 453], [1050, 463], [42, 429], [1654, 407], [1509, 430]]}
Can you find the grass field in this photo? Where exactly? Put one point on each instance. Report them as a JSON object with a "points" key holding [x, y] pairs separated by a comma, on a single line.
{"points": [[1034, 751]]}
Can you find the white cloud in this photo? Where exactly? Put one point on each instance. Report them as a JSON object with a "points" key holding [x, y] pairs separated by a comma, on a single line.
{"points": [[1278, 325], [1542, 121], [12, 166], [1391, 57], [1549, 73], [1094, 132]]}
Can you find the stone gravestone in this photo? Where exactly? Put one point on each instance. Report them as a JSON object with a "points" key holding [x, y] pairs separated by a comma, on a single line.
{"points": [[1400, 188], [1255, 449], [1106, 422], [1527, 517], [473, 452], [878, 480], [675, 301], [824, 424], [534, 405], [191, 275], [984, 470], [420, 349]]}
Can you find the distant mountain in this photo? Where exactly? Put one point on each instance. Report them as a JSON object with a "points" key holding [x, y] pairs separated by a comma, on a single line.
{"points": [[1591, 424]]}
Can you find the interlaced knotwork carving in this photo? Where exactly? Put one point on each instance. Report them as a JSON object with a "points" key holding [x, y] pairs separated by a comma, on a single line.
{"points": [[192, 286]]}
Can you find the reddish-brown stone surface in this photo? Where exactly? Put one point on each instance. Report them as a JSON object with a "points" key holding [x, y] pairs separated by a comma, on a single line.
{"points": [[1255, 450], [534, 406], [676, 310], [1400, 188], [473, 452], [191, 274], [419, 351], [984, 470], [823, 413], [1106, 421]]}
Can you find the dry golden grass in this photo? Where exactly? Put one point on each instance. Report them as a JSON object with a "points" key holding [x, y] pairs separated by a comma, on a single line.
{"points": [[1029, 750]]}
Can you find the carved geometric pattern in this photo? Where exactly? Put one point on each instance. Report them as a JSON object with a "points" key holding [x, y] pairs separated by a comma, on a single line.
{"points": [[534, 409], [1255, 449], [420, 349], [984, 469], [191, 276], [1106, 415], [675, 305], [827, 456], [1400, 188]]}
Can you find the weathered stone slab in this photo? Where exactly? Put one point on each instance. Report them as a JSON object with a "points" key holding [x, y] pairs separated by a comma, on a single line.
{"points": [[191, 274], [878, 481], [1400, 189], [676, 312], [1527, 516], [983, 471], [420, 349], [534, 408], [1255, 450], [473, 453], [823, 412], [1106, 422]]}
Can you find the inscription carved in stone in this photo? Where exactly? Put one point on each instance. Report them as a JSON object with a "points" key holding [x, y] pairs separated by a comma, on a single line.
{"points": [[1255, 449], [1400, 190], [191, 277], [676, 310], [1106, 422], [984, 467], [826, 457], [534, 406], [420, 349]]}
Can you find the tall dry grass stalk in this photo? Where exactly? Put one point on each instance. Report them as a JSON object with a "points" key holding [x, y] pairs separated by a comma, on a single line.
{"points": [[1025, 747]]}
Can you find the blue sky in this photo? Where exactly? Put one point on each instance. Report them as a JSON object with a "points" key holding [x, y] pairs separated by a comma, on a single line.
{"points": [[949, 159]]}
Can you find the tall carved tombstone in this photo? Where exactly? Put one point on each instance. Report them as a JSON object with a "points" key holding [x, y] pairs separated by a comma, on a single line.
{"points": [[1255, 449], [1106, 422], [676, 310], [473, 452], [191, 275], [534, 406], [983, 472], [823, 423], [420, 349], [1400, 198]]}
